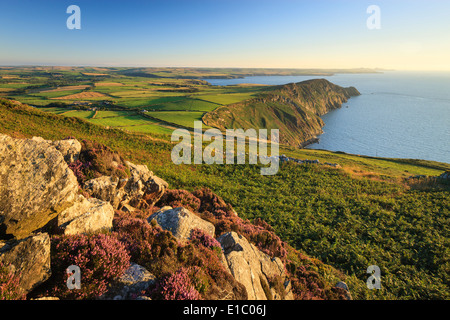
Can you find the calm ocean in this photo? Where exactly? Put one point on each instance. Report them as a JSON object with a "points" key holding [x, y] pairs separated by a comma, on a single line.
{"points": [[398, 115]]}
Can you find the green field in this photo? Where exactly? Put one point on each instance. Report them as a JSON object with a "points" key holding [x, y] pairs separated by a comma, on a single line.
{"points": [[113, 91], [183, 118]]}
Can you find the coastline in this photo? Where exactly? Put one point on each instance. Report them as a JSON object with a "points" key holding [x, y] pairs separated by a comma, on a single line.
{"points": [[308, 142]]}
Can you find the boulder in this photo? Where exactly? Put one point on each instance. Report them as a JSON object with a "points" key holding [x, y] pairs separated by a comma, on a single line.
{"points": [[35, 186], [69, 148], [135, 280], [181, 222], [86, 216], [29, 258], [343, 285], [105, 188], [445, 175], [253, 268], [141, 190]]}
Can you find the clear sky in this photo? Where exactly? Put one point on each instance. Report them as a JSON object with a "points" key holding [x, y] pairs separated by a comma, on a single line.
{"points": [[414, 34]]}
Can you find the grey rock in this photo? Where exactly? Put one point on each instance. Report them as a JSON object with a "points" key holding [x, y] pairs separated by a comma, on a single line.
{"points": [[28, 258], [69, 148], [86, 216], [35, 186], [181, 222], [253, 268], [135, 280], [141, 190], [46, 298], [343, 285], [105, 188]]}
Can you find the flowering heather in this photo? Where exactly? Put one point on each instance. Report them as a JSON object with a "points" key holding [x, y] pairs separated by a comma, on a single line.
{"points": [[142, 240], [176, 286], [199, 236], [180, 198], [307, 284], [101, 258], [213, 209], [96, 160], [103, 160], [79, 168], [9, 285]]}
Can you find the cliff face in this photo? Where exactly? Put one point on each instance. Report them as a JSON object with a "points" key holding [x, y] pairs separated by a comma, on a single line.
{"points": [[294, 109]]}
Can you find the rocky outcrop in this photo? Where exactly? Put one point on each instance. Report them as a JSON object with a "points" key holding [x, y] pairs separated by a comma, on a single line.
{"points": [[253, 268], [69, 148], [29, 258], [135, 280], [445, 175], [181, 222], [105, 188], [35, 185], [86, 216], [141, 190], [343, 285]]}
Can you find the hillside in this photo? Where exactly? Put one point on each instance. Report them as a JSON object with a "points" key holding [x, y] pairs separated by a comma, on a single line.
{"points": [[294, 109], [61, 204], [366, 212]]}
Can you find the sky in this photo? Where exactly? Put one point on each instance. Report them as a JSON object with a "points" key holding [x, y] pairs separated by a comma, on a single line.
{"points": [[413, 34]]}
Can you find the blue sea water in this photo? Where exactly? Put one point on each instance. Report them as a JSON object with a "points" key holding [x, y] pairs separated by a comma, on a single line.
{"points": [[397, 115]]}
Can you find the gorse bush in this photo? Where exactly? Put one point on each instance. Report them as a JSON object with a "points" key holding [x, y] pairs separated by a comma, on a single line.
{"points": [[101, 258]]}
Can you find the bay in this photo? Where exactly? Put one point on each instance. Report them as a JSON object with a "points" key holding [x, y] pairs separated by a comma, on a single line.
{"points": [[397, 115]]}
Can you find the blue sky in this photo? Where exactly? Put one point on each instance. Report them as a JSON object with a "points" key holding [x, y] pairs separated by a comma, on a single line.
{"points": [[414, 34]]}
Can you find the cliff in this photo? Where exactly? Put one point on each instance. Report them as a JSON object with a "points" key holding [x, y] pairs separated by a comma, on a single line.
{"points": [[294, 109]]}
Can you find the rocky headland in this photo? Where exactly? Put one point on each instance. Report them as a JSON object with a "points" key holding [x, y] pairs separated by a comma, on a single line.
{"points": [[294, 109]]}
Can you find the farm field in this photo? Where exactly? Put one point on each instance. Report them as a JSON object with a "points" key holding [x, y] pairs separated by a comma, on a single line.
{"points": [[115, 97], [182, 118]]}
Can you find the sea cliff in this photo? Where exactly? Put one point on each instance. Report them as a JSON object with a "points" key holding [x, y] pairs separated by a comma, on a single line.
{"points": [[294, 109]]}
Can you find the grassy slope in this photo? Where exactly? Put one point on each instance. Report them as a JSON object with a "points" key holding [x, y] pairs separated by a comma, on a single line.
{"points": [[293, 108], [344, 217]]}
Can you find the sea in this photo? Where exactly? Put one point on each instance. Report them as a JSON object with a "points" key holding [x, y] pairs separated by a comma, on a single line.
{"points": [[399, 114]]}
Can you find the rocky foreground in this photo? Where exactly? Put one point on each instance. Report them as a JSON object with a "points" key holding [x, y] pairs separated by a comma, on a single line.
{"points": [[71, 202]]}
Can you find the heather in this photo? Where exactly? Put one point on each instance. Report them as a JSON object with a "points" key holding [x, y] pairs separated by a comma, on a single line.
{"points": [[177, 286], [9, 284], [306, 281], [96, 160], [212, 208], [160, 253], [101, 258]]}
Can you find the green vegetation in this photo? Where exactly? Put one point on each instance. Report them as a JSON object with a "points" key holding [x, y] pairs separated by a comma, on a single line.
{"points": [[361, 214], [293, 109], [135, 89], [183, 118]]}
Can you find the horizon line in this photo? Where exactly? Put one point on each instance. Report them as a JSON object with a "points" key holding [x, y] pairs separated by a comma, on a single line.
{"points": [[229, 67]]}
